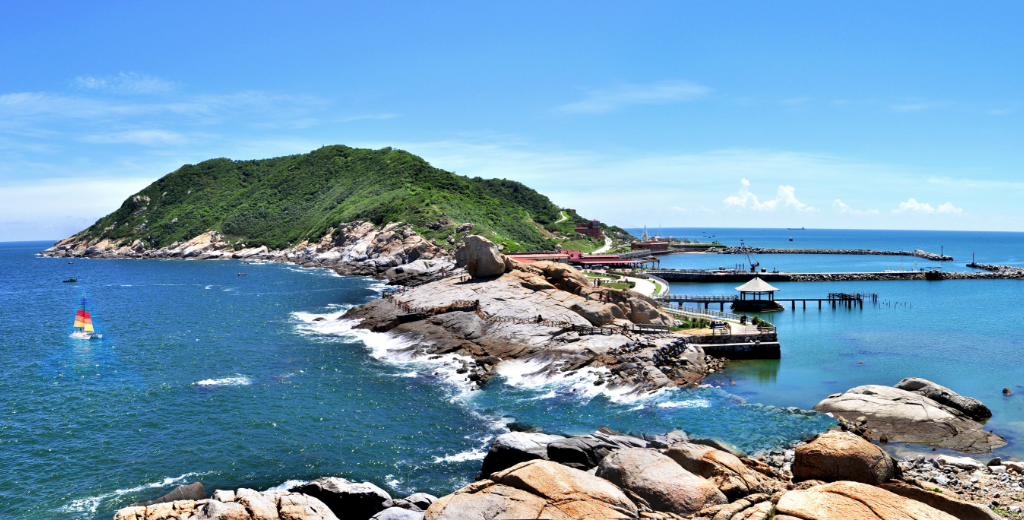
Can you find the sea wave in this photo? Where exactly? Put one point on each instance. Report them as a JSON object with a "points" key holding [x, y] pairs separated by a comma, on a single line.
{"points": [[236, 380], [91, 504], [472, 454], [286, 485]]}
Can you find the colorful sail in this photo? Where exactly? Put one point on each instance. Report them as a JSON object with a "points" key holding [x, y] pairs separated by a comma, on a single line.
{"points": [[83, 320]]}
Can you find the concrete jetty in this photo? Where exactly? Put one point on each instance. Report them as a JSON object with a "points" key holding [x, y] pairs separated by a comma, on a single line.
{"points": [[733, 275], [742, 250]]}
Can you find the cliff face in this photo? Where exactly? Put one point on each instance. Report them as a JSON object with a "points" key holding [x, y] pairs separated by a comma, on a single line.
{"points": [[357, 248]]}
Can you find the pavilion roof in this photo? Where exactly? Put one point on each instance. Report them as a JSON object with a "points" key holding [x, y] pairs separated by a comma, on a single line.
{"points": [[756, 285]]}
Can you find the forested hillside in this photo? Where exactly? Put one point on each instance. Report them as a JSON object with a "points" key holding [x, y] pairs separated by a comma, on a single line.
{"points": [[281, 201]]}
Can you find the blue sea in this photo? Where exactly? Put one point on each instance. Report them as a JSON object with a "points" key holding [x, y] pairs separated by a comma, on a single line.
{"points": [[204, 375]]}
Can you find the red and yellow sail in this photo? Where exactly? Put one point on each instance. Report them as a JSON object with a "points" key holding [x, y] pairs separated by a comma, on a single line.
{"points": [[83, 321]]}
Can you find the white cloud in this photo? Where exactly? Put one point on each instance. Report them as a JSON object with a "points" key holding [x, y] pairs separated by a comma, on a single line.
{"points": [[950, 209], [145, 137], [784, 197], [662, 92], [913, 206], [130, 83], [846, 209]]}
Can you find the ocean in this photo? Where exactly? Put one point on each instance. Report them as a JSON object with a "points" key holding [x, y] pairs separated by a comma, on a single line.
{"points": [[236, 381]]}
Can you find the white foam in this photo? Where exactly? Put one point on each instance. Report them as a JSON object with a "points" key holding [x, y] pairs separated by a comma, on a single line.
{"points": [[697, 402], [286, 485], [534, 373], [91, 504], [208, 287], [473, 454], [392, 481], [236, 380]]}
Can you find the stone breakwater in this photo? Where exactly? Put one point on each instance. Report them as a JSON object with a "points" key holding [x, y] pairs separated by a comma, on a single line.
{"points": [[797, 251], [835, 475], [394, 251], [1008, 273]]}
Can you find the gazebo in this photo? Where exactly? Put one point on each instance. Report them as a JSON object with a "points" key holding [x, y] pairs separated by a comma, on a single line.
{"points": [[756, 296]]}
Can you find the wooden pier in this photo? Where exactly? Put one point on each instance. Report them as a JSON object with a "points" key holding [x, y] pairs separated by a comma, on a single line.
{"points": [[834, 300]]}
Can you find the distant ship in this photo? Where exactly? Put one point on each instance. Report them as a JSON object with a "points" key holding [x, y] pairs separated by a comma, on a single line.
{"points": [[797, 229], [83, 323]]}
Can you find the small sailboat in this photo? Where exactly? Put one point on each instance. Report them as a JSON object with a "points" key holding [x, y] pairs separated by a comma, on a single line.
{"points": [[83, 323]]}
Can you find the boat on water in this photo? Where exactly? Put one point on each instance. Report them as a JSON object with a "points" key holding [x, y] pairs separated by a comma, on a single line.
{"points": [[71, 280], [797, 228], [83, 323]]}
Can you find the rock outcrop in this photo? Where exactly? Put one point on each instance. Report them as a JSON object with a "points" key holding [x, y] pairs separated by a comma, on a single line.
{"points": [[357, 248], [480, 257], [969, 406], [849, 500], [906, 416], [659, 480], [358, 501], [247, 505], [725, 470], [512, 448], [535, 489], [838, 455]]}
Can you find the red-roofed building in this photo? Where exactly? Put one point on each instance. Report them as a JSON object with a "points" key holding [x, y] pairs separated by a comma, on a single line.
{"points": [[592, 230]]}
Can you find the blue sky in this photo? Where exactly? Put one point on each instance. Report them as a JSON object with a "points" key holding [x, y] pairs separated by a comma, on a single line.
{"points": [[732, 114]]}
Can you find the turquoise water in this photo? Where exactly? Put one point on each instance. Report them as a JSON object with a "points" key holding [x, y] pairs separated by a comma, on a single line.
{"points": [[206, 375], [964, 334]]}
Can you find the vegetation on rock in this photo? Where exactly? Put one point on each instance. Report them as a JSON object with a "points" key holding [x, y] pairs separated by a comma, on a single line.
{"points": [[282, 201]]}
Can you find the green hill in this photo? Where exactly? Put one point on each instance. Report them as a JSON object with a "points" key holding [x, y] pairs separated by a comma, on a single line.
{"points": [[282, 201]]}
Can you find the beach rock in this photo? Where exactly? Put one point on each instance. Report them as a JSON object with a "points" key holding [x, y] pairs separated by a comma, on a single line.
{"points": [[297, 506], [512, 448], [397, 513], [259, 506], [214, 510], [535, 489], [192, 491], [159, 511], [837, 455], [853, 500], [970, 406], [598, 313], [732, 477], [421, 500], [346, 499], [942, 502], [720, 445], [905, 416], [587, 451], [481, 257], [659, 480], [223, 495]]}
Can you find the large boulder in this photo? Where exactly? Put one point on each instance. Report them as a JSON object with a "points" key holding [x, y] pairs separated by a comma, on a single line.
{"points": [[193, 491], [659, 480], [480, 257], [296, 506], [398, 513], [905, 416], [837, 455], [853, 500], [587, 451], [943, 502], [598, 313], [970, 406], [510, 449], [214, 510], [732, 477], [259, 506], [535, 489], [347, 499]]}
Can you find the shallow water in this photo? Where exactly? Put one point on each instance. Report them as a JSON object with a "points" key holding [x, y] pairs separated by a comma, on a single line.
{"points": [[230, 380]]}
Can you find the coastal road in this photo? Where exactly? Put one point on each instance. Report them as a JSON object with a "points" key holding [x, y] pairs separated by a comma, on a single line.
{"points": [[607, 246], [643, 285]]}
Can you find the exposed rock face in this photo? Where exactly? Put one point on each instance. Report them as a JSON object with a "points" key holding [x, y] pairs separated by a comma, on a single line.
{"points": [[905, 416], [587, 451], [942, 502], [347, 499], [480, 257], [725, 470], [837, 455], [248, 505], [970, 406], [512, 448], [397, 513], [849, 500], [193, 491], [357, 248], [539, 311], [659, 480], [535, 489]]}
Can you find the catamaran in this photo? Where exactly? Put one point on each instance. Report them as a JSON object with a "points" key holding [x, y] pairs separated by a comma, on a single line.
{"points": [[83, 323]]}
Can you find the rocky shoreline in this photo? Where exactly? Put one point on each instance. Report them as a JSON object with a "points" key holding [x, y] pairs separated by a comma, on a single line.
{"points": [[837, 475], [736, 250], [394, 251]]}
